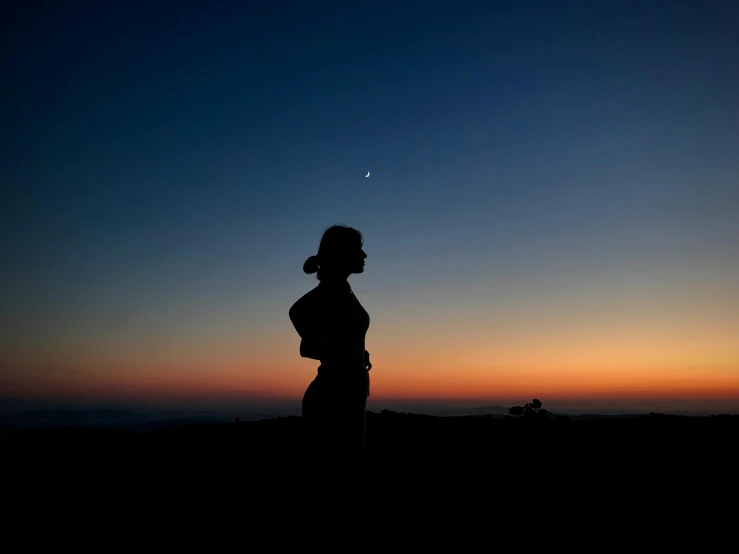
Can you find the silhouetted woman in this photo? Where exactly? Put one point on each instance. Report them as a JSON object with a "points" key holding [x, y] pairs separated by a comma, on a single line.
{"points": [[332, 325]]}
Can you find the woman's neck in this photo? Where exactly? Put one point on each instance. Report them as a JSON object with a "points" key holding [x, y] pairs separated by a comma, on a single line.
{"points": [[335, 282]]}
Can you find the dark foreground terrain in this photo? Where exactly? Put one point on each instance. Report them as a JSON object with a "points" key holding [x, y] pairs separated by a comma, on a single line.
{"points": [[394, 441], [608, 471]]}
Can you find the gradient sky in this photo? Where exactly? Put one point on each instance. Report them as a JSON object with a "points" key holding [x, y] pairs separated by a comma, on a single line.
{"points": [[553, 209]]}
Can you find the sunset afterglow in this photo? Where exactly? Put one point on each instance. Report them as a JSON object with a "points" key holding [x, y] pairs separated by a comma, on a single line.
{"points": [[552, 212]]}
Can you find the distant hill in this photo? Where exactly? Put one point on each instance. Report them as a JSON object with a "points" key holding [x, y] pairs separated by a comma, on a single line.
{"points": [[70, 418], [482, 410], [118, 419], [23, 418], [107, 419]]}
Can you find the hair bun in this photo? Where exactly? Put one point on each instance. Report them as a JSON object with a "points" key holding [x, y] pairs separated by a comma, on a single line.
{"points": [[311, 265]]}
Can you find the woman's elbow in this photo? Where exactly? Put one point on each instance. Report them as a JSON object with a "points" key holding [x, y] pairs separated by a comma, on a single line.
{"points": [[310, 350], [293, 313]]}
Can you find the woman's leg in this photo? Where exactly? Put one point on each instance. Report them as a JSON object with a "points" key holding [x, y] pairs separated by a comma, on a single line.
{"points": [[351, 425], [360, 426], [311, 400], [313, 412], [335, 419]]}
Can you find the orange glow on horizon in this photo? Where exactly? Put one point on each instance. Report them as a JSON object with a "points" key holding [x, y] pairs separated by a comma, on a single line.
{"points": [[420, 361], [388, 383]]}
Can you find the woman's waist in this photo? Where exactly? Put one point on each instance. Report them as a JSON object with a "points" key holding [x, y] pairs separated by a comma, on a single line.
{"points": [[346, 373], [344, 379], [342, 370]]}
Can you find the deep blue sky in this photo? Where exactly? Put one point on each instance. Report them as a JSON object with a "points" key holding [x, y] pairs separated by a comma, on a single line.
{"points": [[168, 166]]}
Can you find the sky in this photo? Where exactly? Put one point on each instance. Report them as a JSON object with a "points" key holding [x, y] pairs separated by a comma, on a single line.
{"points": [[552, 211]]}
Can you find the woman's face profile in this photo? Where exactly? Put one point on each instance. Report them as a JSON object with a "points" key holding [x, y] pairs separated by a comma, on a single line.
{"points": [[358, 256]]}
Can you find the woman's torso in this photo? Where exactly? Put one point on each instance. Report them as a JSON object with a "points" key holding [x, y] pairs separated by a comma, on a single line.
{"points": [[337, 311]]}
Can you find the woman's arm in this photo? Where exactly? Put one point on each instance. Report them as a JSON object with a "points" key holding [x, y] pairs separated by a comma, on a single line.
{"points": [[302, 318]]}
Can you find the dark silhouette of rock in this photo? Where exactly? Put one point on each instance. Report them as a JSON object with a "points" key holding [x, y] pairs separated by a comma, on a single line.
{"points": [[531, 410]]}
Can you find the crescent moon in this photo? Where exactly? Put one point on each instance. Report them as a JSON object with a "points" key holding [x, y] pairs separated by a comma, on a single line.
{"points": [[366, 175]]}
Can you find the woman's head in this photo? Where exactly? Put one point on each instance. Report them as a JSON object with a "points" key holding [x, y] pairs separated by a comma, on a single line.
{"points": [[339, 255]]}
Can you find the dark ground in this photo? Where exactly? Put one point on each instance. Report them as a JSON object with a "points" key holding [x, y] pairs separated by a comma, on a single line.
{"points": [[628, 474], [395, 441]]}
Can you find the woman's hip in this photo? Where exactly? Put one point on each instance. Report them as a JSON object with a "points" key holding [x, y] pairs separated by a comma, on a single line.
{"points": [[343, 395]]}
